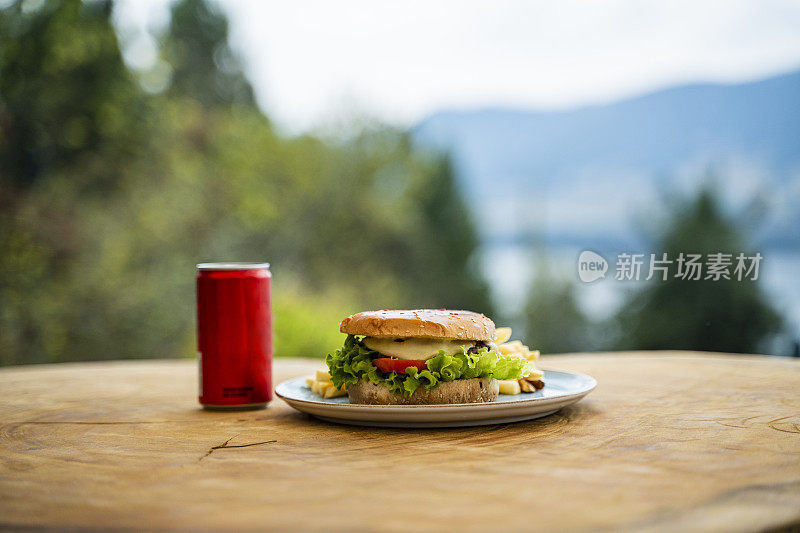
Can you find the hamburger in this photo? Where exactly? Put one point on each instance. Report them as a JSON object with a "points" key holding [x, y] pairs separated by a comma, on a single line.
{"points": [[421, 356]]}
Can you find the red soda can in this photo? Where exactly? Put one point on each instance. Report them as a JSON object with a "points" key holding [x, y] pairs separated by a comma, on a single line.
{"points": [[234, 335]]}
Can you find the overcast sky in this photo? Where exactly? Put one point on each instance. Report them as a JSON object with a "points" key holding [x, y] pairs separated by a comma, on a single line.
{"points": [[315, 62]]}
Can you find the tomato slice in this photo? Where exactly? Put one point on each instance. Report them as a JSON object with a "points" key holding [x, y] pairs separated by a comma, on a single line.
{"points": [[389, 364]]}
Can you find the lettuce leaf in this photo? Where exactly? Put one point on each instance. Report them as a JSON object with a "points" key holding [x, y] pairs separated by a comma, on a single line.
{"points": [[353, 362]]}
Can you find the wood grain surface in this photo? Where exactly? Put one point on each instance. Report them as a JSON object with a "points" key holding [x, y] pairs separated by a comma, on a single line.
{"points": [[675, 441]]}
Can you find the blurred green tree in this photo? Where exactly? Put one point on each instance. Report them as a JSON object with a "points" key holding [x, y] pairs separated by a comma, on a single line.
{"points": [[65, 97], [203, 65], [445, 265], [71, 121], [391, 222], [553, 321], [724, 315]]}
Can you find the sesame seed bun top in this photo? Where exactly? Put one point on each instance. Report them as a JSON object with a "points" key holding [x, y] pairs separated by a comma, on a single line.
{"points": [[425, 323]]}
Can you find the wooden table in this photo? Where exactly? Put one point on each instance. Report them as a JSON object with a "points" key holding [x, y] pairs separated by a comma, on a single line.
{"points": [[668, 441]]}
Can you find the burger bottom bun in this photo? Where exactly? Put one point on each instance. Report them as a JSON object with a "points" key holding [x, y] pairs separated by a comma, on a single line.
{"points": [[475, 390]]}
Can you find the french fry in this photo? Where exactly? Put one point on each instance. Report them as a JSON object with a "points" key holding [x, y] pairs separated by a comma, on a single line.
{"points": [[321, 384], [534, 374], [509, 386], [332, 392], [508, 348], [502, 335]]}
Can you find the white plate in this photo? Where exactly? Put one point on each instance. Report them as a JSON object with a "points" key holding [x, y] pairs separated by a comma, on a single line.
{"points": [[561, 389]]}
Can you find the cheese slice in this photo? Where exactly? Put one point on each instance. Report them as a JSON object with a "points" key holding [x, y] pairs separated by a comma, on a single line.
{"points": [[415, 348]]}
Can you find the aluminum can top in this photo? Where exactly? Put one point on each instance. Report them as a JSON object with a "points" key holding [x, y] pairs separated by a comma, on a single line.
{"points": [[233, 266]]}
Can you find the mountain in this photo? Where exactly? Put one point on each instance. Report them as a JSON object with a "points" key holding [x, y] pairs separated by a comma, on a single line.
{"points": [[586, 175]]}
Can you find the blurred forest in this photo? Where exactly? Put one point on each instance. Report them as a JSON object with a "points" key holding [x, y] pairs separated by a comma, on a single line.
{"points": [[109, 195], [114, 183], [726, 315]]}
